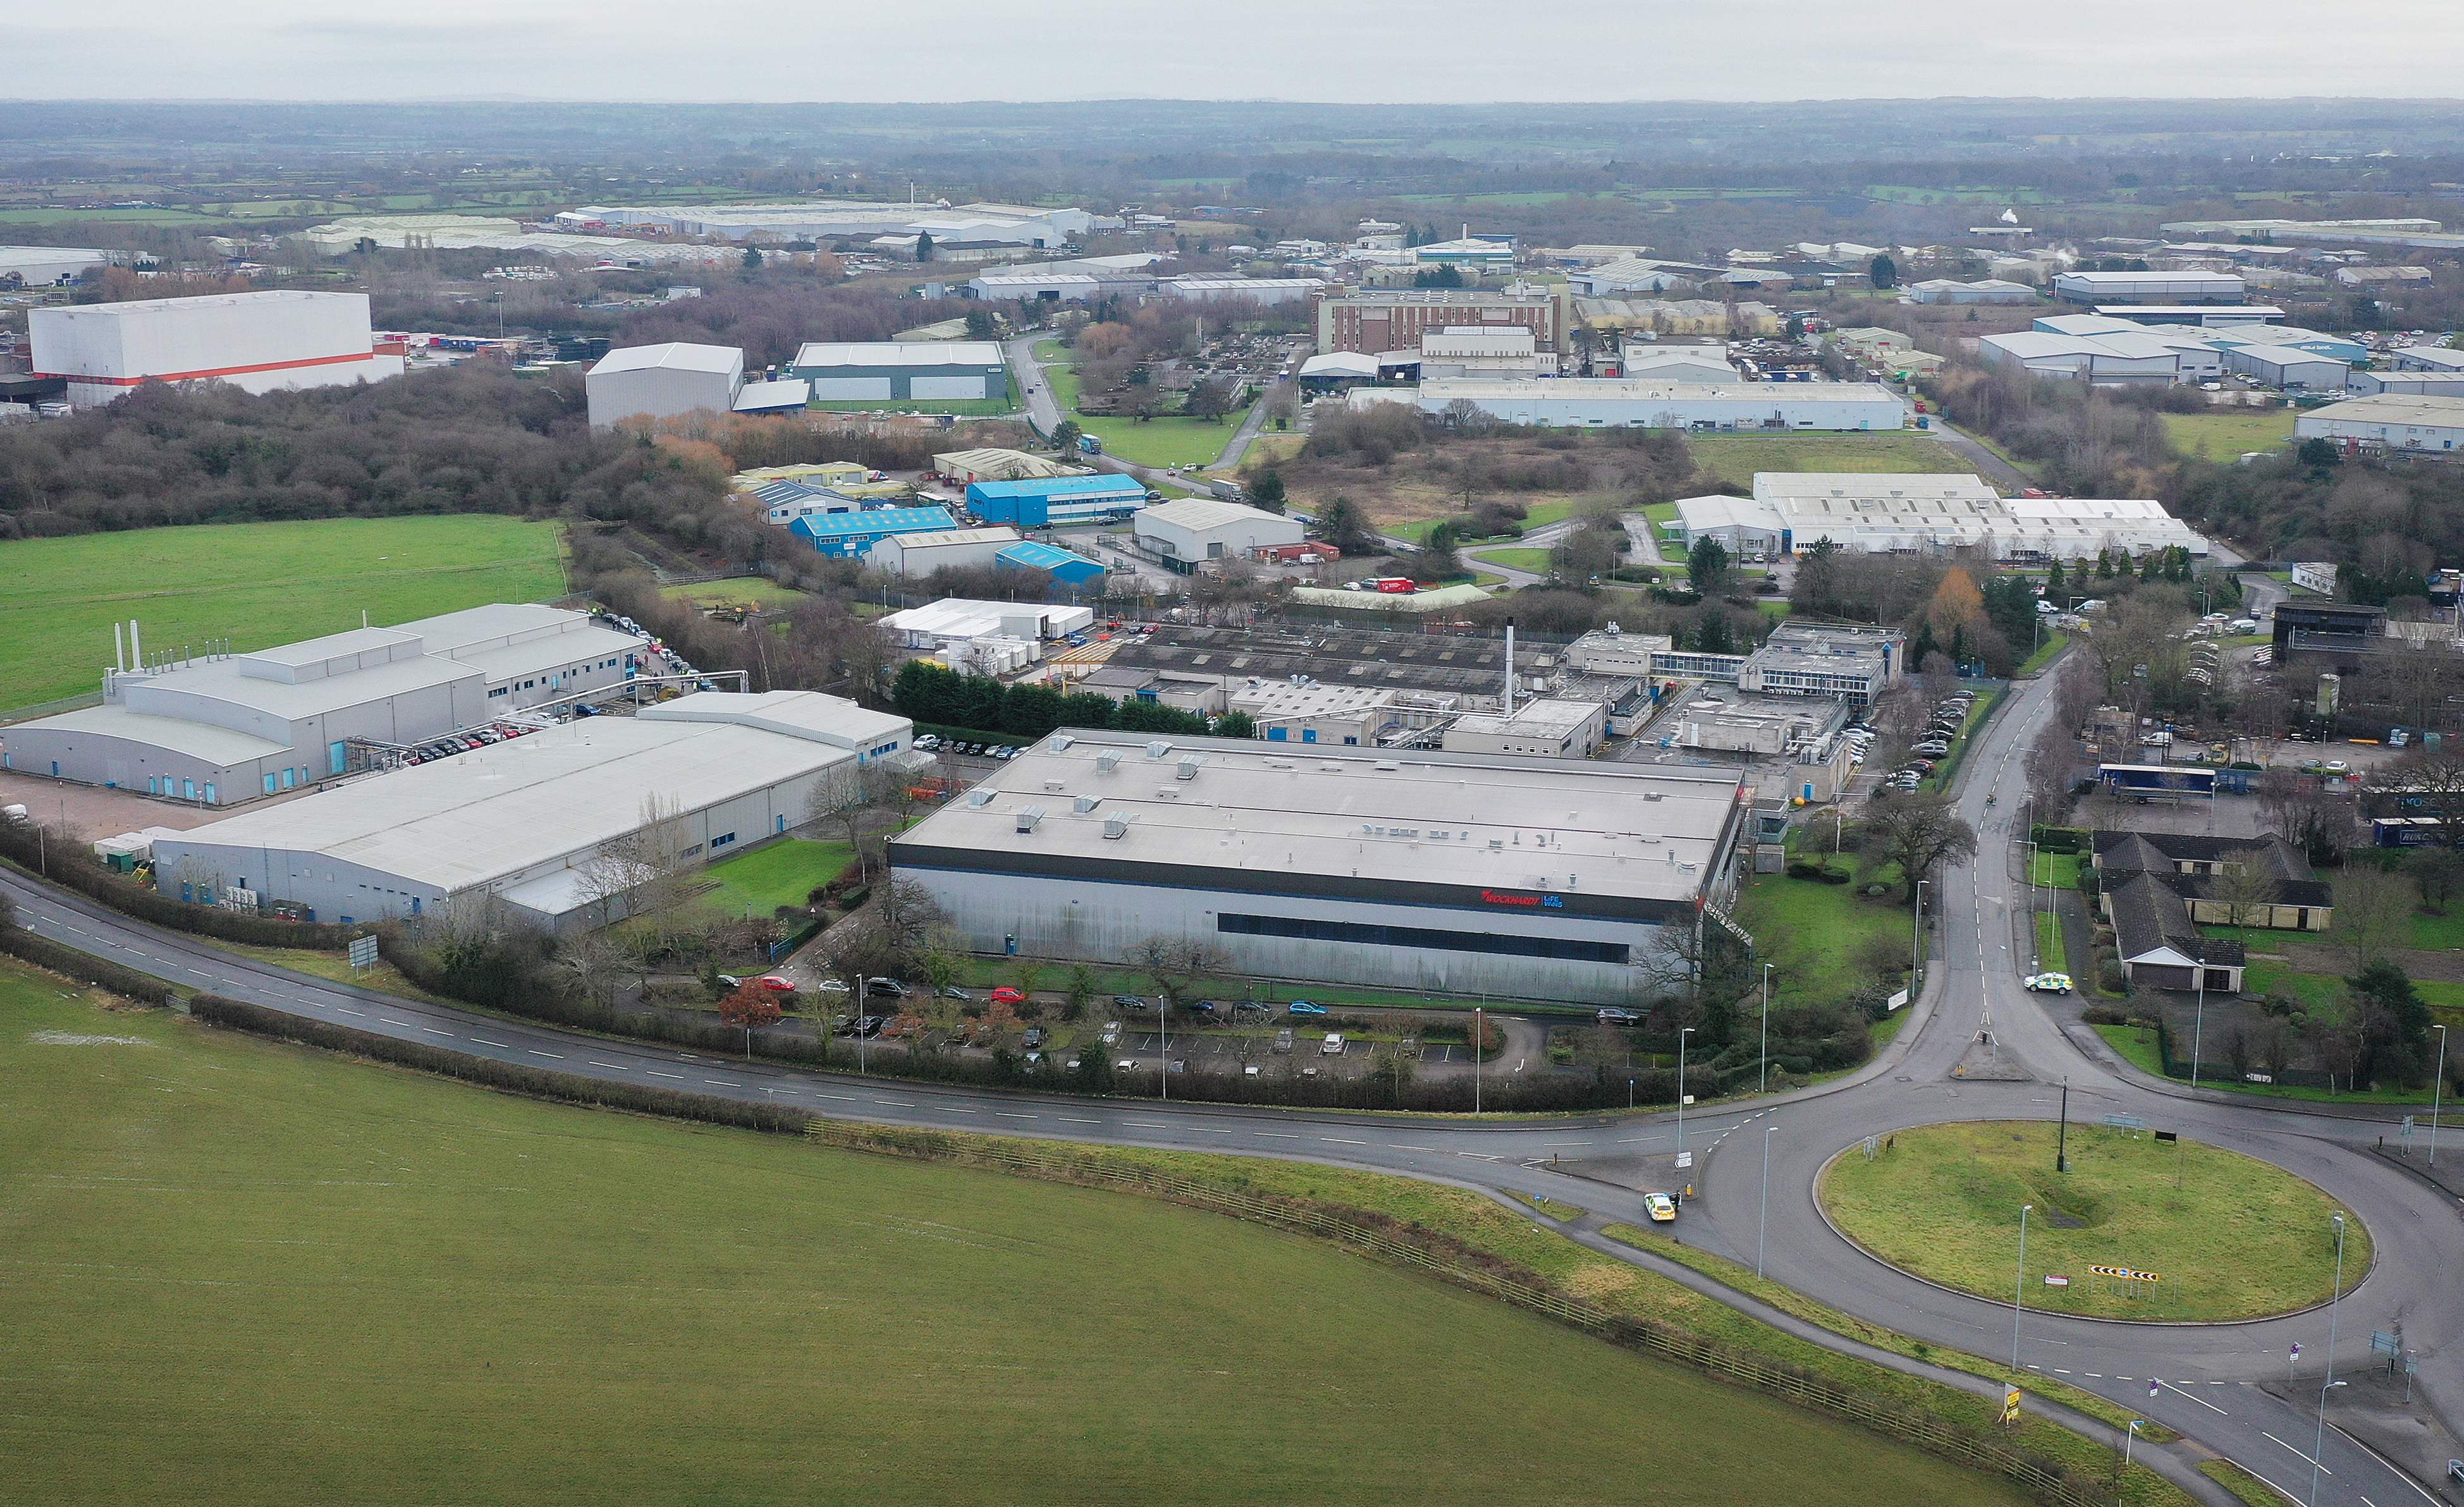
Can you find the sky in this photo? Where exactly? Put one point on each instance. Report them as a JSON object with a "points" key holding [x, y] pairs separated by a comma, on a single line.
{"points": [[1326, 50]]}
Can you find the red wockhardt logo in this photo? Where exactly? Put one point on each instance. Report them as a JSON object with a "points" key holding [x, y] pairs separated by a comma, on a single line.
{"points": [[1500, 897]]}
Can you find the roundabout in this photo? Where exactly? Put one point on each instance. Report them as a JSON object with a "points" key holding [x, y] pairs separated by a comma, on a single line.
{"points": [[2137, 1229]]}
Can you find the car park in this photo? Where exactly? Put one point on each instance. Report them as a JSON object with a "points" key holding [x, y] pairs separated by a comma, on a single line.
{"points": [[1661, 1208]]}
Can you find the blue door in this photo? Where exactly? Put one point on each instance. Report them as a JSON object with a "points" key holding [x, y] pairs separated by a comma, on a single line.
{"points": [[1277, 734], [209, 793], [334, 756], [188, 787], [269, 784], [1308, 735]]}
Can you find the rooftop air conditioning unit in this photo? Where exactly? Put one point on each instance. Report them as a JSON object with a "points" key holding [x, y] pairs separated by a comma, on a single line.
{"points": [[1055, 784], [1028, 817], [1062, 742], [1388, 765]]}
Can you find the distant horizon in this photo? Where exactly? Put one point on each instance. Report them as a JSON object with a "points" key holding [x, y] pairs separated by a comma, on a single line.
{"points": [[1292, 52], [1288, 102]]}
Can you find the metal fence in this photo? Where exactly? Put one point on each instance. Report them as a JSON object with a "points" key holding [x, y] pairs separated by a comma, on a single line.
{"points": [[2040, 1478]]}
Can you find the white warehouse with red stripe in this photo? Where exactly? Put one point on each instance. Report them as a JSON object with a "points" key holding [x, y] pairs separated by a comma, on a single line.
{"points": [[257, 341]]}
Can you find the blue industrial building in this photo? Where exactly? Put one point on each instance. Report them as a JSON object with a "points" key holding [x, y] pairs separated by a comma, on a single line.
{"points": [[1069, 570], [841, 534], [1042, 501]]}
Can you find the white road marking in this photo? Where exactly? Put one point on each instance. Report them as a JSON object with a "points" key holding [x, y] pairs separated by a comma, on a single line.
{"points": [[2323, 1470], [2193, 1396], [432, 1031], [721, 1082], [1336, 1140], [553, 1057], [614, 1066], [391, 1021], [1479, 1155], [1395, 1146], [903, 1103], [656, 1073], [845, 1099], [1565, 1142], [1278, 1135], [1073, 1120], [1011, 1114], [344, 1010]]}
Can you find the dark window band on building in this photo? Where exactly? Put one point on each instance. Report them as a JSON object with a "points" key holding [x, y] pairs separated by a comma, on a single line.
{"points": [[1575, 949]]}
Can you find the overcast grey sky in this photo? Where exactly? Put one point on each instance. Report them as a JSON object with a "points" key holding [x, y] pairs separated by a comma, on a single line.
{"points": [[1311, 50]]}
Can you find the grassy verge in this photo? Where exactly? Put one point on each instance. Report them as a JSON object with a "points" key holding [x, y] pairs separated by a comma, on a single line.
{"points": [[2055, 644], [510, 1253], [254, 583], [2052, 954], [1736, 457], [2138, 1046], [1539, 515], [1823, 940], [333, 968], [2059, 871], [1052, 973], [2230, 1237], [1788, 1301], [781, 873], [1947, 771], [1550, 1207], [2225, 435], [2244, 1485], [1534, 560]]}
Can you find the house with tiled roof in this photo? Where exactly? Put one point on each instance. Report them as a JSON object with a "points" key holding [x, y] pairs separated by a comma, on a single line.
{"points": [[2157, 889]]}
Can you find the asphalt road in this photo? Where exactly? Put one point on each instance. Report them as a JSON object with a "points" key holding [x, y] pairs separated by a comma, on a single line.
{"points": [[2209, 1381]]}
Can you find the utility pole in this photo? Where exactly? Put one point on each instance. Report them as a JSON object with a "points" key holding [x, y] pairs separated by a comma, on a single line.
{"points": [[2062, 1137], [2437, 1091], [1766, 1078], [1916, 943], [1681, 1088], [2019, 1289]]}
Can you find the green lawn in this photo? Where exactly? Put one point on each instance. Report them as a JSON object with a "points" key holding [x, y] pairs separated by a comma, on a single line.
{"points": [[2226, 435], [1158, 442], [2238, 1239], [249, 1274], [254, 583], [2055, 644], [2052, 954], [2136, 1045], [1557, 509], [1536, 560], [2060, 870], [1736, 457], [1818, 936], [781, 873], [1663, 516]]}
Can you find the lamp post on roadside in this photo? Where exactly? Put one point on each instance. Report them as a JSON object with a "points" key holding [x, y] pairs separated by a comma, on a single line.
{"points": [[2319, 1440], [2199, 1022], [1766, 1078], [1762, 1221], [1681, 1088], [1916, 942], [1478, 1041], [2129, 1440], [2019, 1288], [2437, 1091]]}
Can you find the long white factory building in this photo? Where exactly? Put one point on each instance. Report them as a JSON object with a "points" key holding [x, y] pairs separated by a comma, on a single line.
{"points": [[1462, 872], [530, 822], [257, 341], [1927, 513], [220, 729], [1595, 403]]}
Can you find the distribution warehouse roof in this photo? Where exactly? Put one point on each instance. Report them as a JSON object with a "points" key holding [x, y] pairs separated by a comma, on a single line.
{"points": [[675, 356], [1034, 556], [898, 353], [880, 520], [499, 810], [1106, 485], [1465, 829]]}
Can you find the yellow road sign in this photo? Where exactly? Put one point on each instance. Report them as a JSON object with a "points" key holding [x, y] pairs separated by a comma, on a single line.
{"points": [[2010, 1405]]}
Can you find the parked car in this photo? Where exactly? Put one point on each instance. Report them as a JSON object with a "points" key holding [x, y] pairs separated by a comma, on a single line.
{"points": [[730, 981], [1301, 1006], [953, 991], [1008, 995], [885, 989], [1284, 1039], [1128, 1002], [1033, 1038], [1615, 1016], [2050, 983], [1332, 1045], [1111, 1035], [777, 983]]}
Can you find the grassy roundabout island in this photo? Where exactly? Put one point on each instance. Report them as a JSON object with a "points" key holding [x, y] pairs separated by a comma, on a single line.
{"points": [[2236, 1239]]}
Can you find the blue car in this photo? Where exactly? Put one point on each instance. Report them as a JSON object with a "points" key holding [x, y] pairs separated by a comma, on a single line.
{"points": [[1301, 1006]]}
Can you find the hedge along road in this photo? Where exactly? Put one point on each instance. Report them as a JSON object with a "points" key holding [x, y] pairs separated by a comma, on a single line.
{"points": [[2208, 1375]]}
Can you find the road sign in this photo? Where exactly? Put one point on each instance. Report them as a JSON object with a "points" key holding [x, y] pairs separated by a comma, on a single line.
{"points": [[364, 951], [2126, 1122], [2167, 1135], [2125, 1273], [2010, 1405], [2382, 1343], [1686, 1158], [2056, 1282]]}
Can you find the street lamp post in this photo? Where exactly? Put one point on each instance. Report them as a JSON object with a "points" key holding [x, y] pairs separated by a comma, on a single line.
{"points": [[2437, 1091], [2319, 1441], [1762, 1221], [2199, 1022], [1916, 941], [2129, 1440], [1478, 1041], [1681, 1088], [2019, 1288], [1766, 1078]]}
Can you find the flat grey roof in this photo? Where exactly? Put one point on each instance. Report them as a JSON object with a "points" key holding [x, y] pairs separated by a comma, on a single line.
{"points": [[1263, 815], [219, 746]]}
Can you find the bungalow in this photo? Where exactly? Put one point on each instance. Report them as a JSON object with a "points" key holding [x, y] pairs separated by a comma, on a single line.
{"points": [[2160, 887], [2161, 947]]}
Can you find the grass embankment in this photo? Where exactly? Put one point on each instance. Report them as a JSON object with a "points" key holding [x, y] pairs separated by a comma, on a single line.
{"points": [[1171, 441], [1537, 516], [253, 583], [738, 591], [1052, 974], [1823, 941], [1533, 560], [1736, 457], [2228, 434], [2054, 645], [2059, 871], [1947, 771], [2244, 1485], [2238, 1238], [550, 1304], [2138, 1046]]}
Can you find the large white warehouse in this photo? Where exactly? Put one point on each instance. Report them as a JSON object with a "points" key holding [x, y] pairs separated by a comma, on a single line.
{"points": [[1925, 514], [661, 381], [257, 342], [51, 266], [1616, 403], [224, 729], [1188, 532], [530, 822], [1469, 873], [2406, 422]]}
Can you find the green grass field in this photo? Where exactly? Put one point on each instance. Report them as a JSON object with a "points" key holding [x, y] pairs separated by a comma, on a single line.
{"points": [[2238, 1239], [736, 590], [1540, 514], [1517, 558], [249, 1274], [2055, 644], [254, 583], [781, 873], [1158, 442], [2228, 435], [2136, 1045], [2060, 870], [1736, 457], [2052, 954], [1816, 936]]}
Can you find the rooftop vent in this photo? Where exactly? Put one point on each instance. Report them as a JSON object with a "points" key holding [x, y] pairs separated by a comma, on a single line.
{"points": [[1115, 828], [1188, 768], [1062, 742], [1085, 803], [1055, 784], [979, 799], [1159, 749], [1107, 764], [1388, 765], [1028, 817]]}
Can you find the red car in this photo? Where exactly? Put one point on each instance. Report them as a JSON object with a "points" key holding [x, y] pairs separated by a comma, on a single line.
{"points": [[777, 983], [1006, 995]]}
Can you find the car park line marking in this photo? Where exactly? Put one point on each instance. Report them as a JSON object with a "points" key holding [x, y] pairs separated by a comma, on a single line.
{"points": [[617, 1066], [552, 1056], [656, 1073], [2193, 1396], [2323, 1470]]}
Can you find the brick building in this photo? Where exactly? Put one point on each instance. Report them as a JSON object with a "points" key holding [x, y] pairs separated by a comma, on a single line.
{"points": [[1380, 319]]}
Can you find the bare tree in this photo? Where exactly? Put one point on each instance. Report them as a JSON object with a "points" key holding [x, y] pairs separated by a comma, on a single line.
{"points": [[1178, 966], [848, 800], [1917, 833], [2245, 892], [2053, 765], [594, 962], [2429, 781], [2300, 809], [642, 873], [2374, 910]]}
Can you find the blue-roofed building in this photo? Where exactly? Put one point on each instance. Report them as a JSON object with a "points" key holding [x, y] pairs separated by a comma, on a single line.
{"points": [[1042, 501], [841, 533], [1066, 568]]}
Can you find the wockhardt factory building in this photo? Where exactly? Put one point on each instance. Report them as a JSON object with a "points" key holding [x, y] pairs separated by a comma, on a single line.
{"points": [[1457, 872]]}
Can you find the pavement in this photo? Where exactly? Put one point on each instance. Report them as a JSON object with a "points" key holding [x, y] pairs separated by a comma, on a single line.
{"points": [[2219, 1386]]}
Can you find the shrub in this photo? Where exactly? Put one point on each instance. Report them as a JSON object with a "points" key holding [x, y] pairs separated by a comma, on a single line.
{"points": [[2110, 980], [2105, 1016]]}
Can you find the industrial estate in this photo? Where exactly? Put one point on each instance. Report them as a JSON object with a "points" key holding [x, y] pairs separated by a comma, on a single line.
{"points": [[1847, 847]]}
